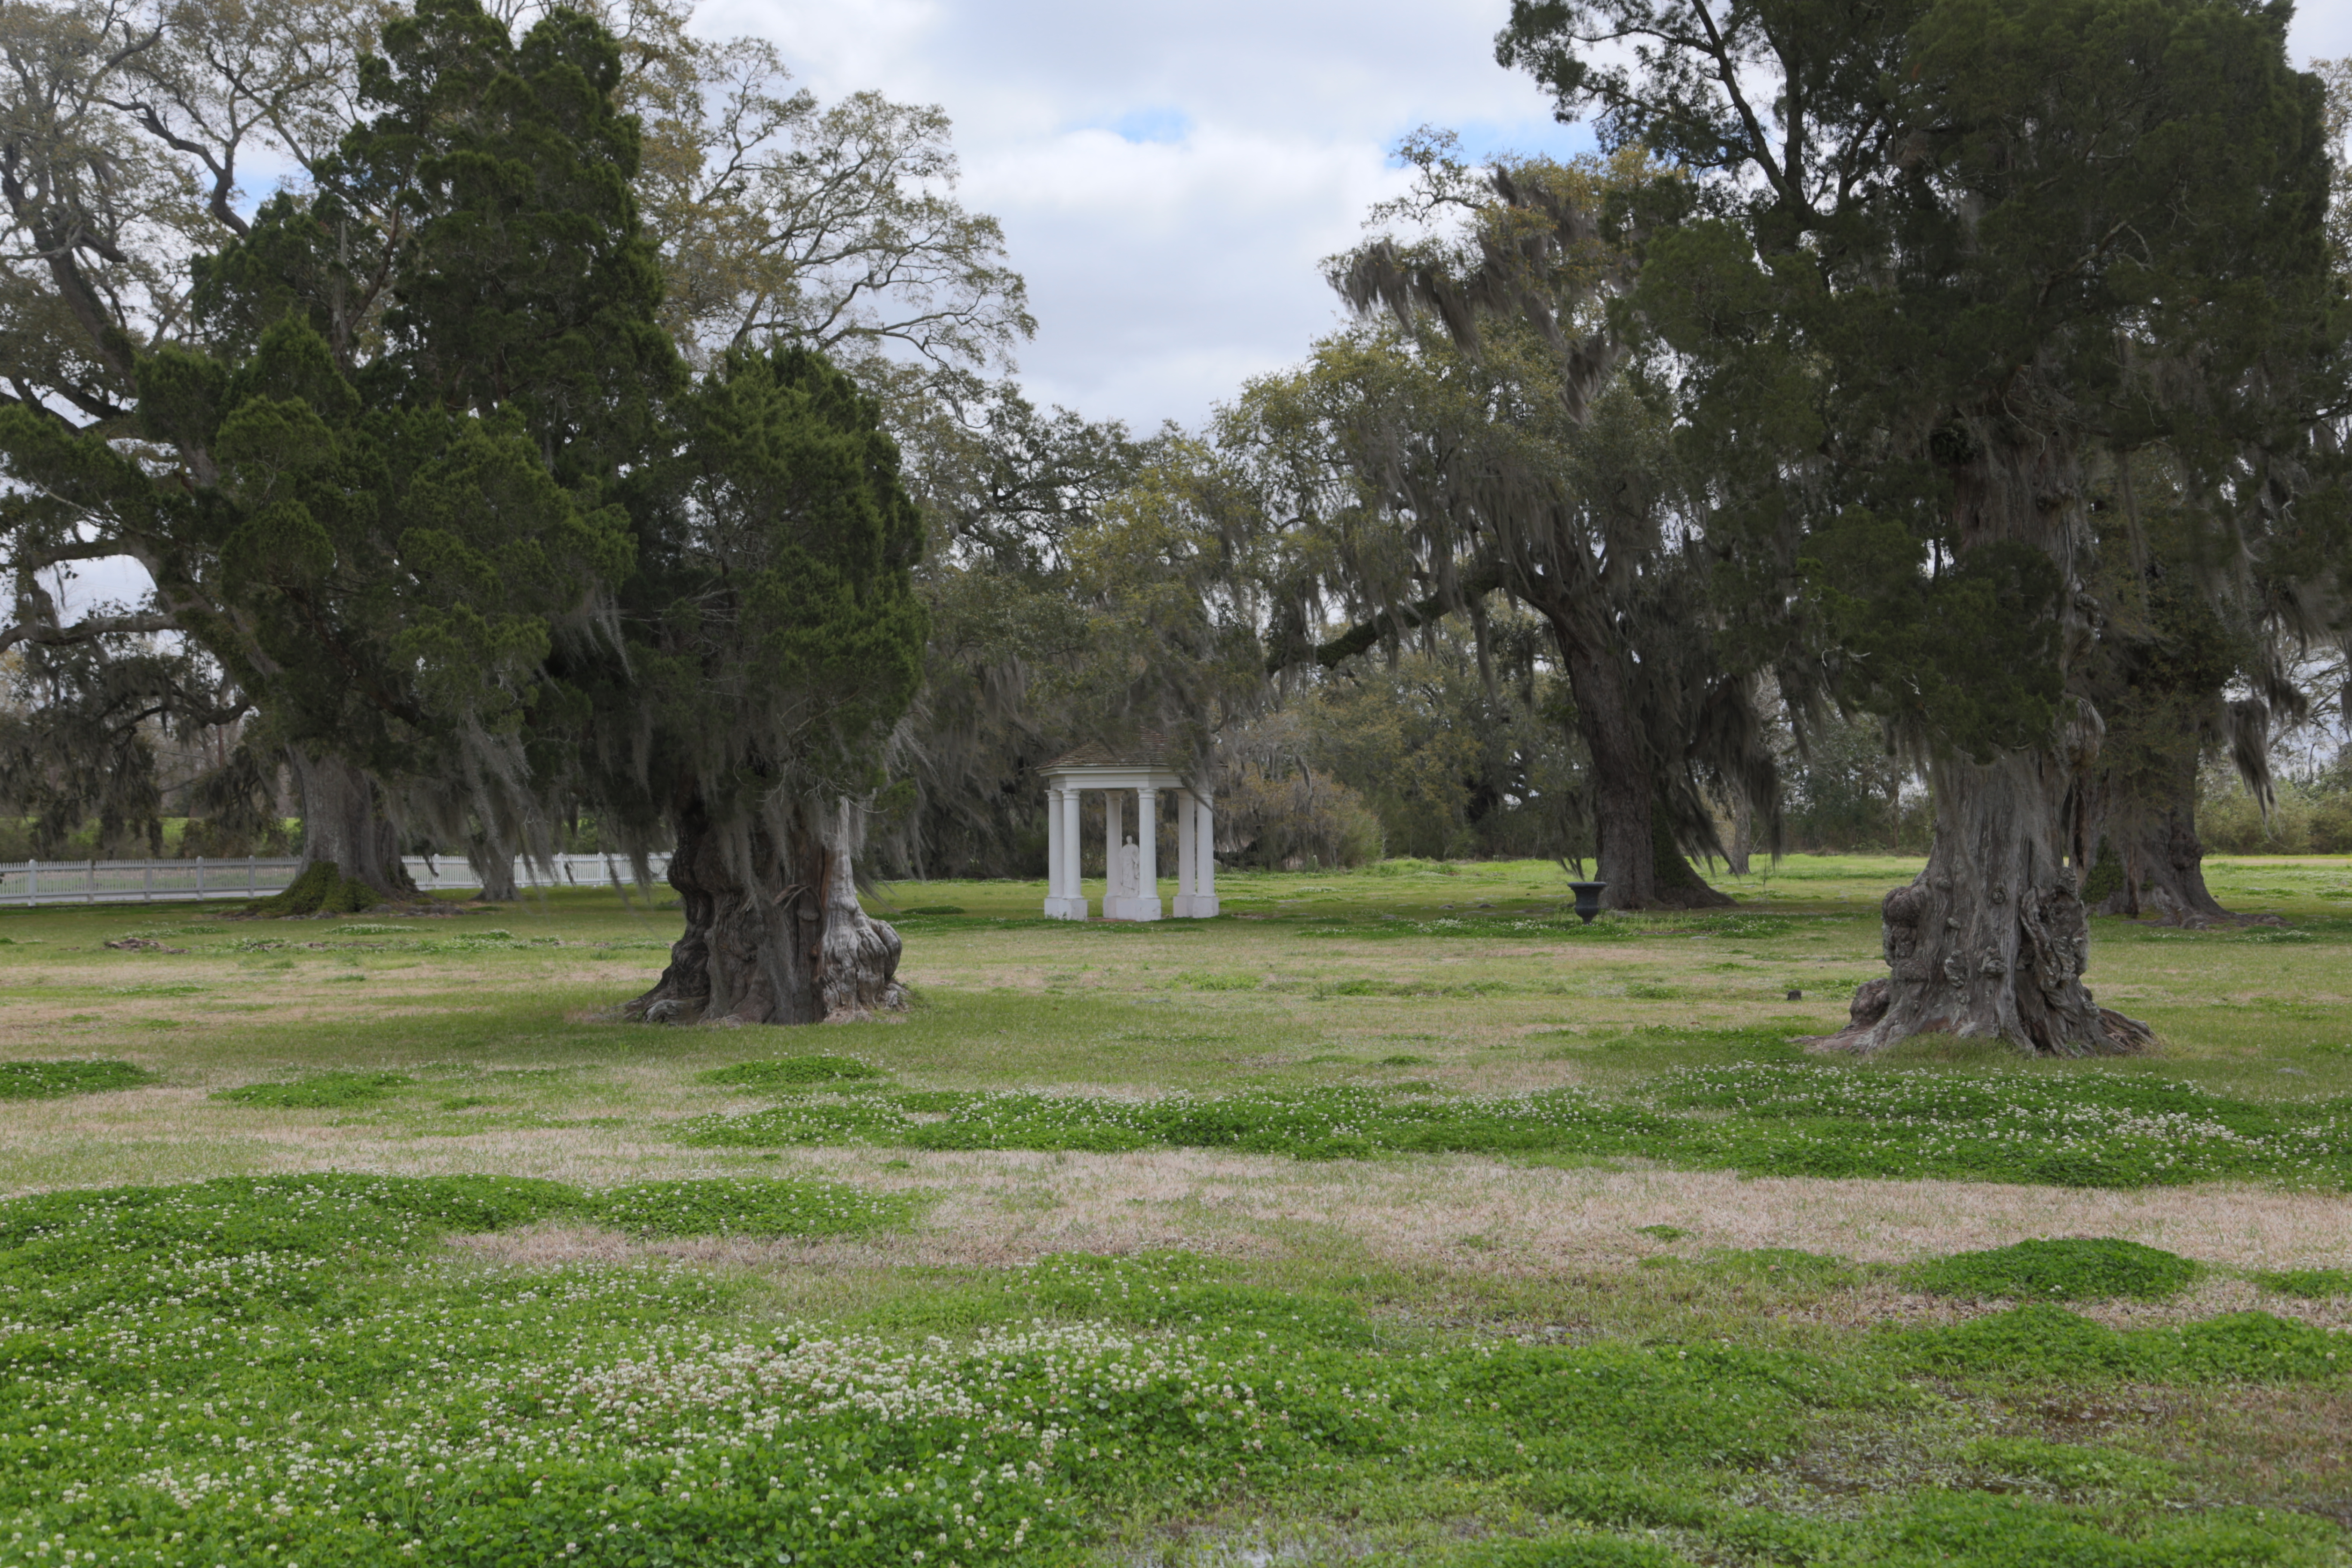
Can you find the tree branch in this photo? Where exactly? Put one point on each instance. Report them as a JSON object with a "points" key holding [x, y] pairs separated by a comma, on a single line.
{"points": [[88, 629], [1391, 623]]}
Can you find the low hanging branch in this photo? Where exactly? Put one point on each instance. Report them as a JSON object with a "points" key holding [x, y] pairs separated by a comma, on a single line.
{"points": [[1389, 624]]}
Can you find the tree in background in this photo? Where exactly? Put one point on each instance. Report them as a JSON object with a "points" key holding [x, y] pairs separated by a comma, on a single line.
{"points": [[125, 132], [1494, 438], [379, 492], [1846, 790], [128, 128], [1453, 759], [80, 727], [831, 228], [1935, 261], [2198, 658], [1006, 490]]}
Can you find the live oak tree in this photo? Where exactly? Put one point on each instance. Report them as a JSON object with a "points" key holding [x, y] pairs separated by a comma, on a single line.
{"points": [[782, 219], [132, 127], [1495, 440], [1934, 260], [2198, 658], [125, 132], [376, 492], [81, 723]]}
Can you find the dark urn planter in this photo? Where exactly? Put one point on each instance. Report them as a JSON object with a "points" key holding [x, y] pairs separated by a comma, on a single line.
{"points": [[1588, 899]]}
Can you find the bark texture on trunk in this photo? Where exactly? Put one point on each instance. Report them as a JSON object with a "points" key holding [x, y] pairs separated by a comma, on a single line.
{"points": [[773, 933], [1990, 940], [494, 869], [344, 824], [2146, 859]]}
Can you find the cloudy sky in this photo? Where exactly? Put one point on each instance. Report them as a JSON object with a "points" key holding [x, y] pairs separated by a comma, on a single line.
{"points": [[1169, 174]]}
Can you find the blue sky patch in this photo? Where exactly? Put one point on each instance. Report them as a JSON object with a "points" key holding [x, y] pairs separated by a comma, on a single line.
{"points": [[1162, 123]]}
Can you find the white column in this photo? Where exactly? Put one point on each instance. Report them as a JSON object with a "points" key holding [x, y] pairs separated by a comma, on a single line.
{"points": [[1073, 887], [1204, 869], [1063, 898], [1146, 840], [1183, 854], [1053, 853]]}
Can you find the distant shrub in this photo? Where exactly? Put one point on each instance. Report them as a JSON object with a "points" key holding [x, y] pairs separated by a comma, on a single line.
{"points": [[2331, 825], [2072, 1269], [54, 1080], [321, 1091], [2309, 816], [1290, 820]]}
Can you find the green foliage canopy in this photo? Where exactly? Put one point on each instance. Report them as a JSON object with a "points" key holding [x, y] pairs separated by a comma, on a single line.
{"points": [[1934, 256]]}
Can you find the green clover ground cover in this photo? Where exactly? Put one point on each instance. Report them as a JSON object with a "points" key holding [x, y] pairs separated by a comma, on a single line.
{"points": [[282, 1371], [54, 1080], [318, 1092], [2088, 1130], [795, 1072], [2069, 1268]]}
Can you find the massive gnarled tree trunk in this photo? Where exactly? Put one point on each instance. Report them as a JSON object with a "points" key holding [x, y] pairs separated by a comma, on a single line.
{"points": [[1991, 938], [344, 824], [773, 933]]}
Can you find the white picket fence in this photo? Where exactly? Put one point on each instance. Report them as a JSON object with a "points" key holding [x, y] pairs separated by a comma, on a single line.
{"points": [[25, 882]]}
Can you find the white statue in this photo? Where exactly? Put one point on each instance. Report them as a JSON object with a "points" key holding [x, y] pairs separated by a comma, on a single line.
{"points": [[1127, 878]]}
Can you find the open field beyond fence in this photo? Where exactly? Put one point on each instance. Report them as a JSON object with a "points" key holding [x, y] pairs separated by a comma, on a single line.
{"points": [[1394, 1216]]}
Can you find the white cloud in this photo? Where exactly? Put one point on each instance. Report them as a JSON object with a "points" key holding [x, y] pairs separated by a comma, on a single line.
{"points": [[1170, 176]]}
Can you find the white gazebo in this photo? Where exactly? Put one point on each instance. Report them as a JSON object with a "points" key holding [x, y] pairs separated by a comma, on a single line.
{"points": [[1134, 866]]}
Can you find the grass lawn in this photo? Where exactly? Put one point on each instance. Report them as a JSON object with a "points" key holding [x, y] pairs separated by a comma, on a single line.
{"points": [[1394, 1217]]}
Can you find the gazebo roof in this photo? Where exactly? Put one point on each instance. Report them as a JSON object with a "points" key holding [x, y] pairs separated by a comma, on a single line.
{"points": [[1149, 752], [1144, 763]]}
